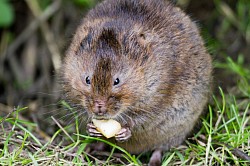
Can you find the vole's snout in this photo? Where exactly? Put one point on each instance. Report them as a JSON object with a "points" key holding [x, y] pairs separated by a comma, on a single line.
{"points": [[100, 107]]}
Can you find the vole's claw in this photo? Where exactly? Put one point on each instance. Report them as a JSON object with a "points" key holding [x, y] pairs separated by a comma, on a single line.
{"points": [[123, 135], [92, 131]]}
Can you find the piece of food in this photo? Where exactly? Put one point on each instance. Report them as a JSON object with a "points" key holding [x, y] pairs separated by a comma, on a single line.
{"points": [[108, 128]]}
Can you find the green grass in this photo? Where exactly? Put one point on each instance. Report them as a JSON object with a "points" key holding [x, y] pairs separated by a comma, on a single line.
{"points": [[222, 138]]}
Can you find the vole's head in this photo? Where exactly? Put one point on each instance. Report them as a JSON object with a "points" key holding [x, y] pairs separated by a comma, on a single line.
{"points": [[104, 71]]}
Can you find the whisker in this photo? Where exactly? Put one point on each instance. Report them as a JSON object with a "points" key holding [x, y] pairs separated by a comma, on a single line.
{"points": [[53, 111], [149, 114], [49, 105], [71, 119], [70, 114], [119, 116], [83, 118], [155, 109], [124, 114]]}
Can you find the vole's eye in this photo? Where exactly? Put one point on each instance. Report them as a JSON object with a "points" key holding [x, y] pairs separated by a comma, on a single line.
{"points": [[117, 81], [87, 80]]}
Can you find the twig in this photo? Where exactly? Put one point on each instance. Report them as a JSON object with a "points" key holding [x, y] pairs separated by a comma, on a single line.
{"points": [[8, 115], [9, 110], [51, 43], [49, 11], [58, 124], [106, 154], [235, 151]]}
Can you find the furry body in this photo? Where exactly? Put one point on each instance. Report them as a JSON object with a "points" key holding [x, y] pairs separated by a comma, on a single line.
{"points": [[163, 68]]}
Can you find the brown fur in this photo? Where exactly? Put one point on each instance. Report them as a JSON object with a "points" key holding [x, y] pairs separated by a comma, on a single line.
{"points": [[158, 55]]}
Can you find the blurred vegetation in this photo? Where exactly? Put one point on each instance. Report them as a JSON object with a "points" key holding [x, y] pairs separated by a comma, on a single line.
{"points": [[36, 33], [7, 13]]}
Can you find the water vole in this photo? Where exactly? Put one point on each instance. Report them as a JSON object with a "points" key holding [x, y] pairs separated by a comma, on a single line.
{"points": [[142, 63]]}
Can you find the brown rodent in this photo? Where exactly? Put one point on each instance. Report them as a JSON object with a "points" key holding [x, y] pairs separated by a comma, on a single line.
{"points": [[142, 63]]}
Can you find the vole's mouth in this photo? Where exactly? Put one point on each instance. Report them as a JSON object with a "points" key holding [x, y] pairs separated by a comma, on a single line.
{"points": [[101, 117]]}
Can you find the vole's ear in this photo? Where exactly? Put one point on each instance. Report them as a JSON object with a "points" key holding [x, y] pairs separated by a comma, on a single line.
{"points": [[144, 36], [86, 41], [78, 42]]}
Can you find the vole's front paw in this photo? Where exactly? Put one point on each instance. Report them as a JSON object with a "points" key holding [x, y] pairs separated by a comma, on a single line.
{"points": [[92, 131], [123, 135]]}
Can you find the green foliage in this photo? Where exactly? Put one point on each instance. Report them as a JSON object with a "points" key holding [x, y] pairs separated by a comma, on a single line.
{"points": [[235, 67], [223, 137], [47, 153], [44, 3], [240, 72], [85, 3], [238, 18], [6, 13], [128, 157]]}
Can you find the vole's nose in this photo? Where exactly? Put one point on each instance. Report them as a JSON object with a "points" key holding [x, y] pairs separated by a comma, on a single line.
{"points": [[100, 107]]}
